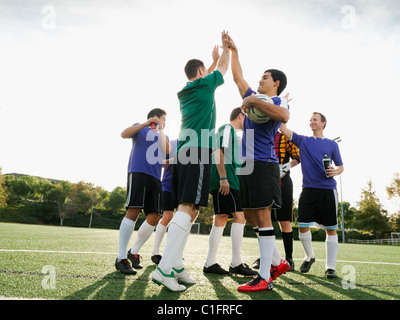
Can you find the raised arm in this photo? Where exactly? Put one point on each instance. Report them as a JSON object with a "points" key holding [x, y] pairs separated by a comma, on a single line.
{"points": [[237, 68], [223, 62], [131, 131], [215, 56]]}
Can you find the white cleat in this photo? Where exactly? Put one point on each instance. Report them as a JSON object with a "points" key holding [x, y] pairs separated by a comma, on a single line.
{"points": [[183, 276], [167, 280]]}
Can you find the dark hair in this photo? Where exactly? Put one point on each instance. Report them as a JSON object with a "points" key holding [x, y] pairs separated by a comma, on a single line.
{"points": [[191, 68], [278, 75], [156, 112], [323, 118], [235, 113]]}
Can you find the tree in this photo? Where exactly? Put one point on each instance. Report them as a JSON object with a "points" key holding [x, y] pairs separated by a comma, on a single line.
{"points": [[348, 215], [393, 191], [81, 196], [59, 194], [3, 191], [371, 216], [117, 199]]}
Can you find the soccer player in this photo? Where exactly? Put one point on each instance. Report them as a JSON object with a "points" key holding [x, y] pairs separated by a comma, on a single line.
{"points": [[260, 190], [149, 147], [288, 157], [226, 198], [167, 207], [318, 199], [191, 173]]}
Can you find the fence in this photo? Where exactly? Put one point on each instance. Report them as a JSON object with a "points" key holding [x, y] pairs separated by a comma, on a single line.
{"points": [[393, 241]]}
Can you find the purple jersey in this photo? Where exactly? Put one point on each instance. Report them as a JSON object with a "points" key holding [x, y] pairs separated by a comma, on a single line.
{"points": [[146, 156], [261, 144], [312, 151], [167, 175]]}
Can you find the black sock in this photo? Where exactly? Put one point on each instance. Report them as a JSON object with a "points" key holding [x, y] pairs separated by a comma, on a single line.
{"points": [[288, 244]]}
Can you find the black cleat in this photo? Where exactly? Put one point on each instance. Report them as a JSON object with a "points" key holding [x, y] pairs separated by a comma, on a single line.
{"points": [[156, 259], [305, 267], [124, 266], [135, 260], [256, 264], [291, 263], [242, 269], [215, 268], [330, 274]]}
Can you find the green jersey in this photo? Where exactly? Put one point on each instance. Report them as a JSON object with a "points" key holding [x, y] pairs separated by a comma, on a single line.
{"points": [[228, 140], [197, 106]]}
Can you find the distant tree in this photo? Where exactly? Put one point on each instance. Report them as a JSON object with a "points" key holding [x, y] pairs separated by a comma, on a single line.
{"points": [[116, 200], [393, 191], [371, 216], [44, 186], [59, 194], [3, 191], [348, 215], [81, 197]]}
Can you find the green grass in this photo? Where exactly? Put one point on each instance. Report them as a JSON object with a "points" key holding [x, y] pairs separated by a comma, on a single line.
{"points": [[83, 260]]}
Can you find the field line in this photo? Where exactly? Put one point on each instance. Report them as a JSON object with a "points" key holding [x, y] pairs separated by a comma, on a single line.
{"points": [[243, 256]]}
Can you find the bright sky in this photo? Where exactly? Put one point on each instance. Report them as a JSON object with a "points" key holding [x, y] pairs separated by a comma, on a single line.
{"points": [[74, 74]]}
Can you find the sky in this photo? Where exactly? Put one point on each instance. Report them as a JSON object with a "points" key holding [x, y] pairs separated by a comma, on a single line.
{"points": [[74, 74]]}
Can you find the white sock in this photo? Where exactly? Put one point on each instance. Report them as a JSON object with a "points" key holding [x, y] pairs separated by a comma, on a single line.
{"points": [[237, 239], [276, 257], [256, 231], [143, 234], [125, 233], [214, 240], [332, 248], [159, 236], [266, 242], [177, 235], [305, 239]]}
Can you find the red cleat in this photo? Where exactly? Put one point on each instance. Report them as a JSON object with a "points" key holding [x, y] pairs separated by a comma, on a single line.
{"points": [[257, 284], [280, 269]]}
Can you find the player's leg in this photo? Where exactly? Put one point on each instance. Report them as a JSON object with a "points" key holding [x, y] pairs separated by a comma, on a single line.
{"points": [[237, 266], [152, 210], [179, 230], [305, 220], [167, 215], [332, 248], [214, 239], [161, 229], [330, 224], [237, 230], [284, 216], [143, 234], [134, 205], [125, 232], [189, 196], [260, 190]]}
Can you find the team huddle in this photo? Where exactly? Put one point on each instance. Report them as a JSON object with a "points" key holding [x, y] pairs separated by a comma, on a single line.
{"points": [[249, 180]]}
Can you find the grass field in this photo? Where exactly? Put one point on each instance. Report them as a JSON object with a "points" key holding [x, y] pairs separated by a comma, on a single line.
{"points": [[82, 262]]}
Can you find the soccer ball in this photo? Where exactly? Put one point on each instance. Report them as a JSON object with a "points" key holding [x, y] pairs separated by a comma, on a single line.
{"points": [[256, 115]]}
